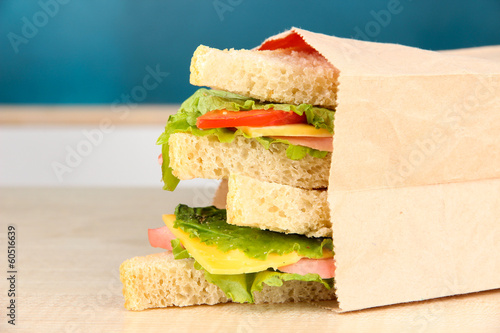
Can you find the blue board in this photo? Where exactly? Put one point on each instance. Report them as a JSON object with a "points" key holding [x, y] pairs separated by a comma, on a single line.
{"points": [[100, 52]]}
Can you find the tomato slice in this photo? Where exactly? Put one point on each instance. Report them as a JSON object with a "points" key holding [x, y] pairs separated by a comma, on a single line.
{"points": [[253, 118]]}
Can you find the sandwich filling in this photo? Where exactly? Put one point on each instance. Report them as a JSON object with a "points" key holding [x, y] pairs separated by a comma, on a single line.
{"points": [[306, 129], [240, 259]]}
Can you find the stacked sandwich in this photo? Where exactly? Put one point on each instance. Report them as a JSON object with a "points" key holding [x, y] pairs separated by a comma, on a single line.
{"points": [[266, 125]]}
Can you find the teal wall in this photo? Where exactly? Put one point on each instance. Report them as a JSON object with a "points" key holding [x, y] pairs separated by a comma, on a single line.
{"points": [[95, 52]]}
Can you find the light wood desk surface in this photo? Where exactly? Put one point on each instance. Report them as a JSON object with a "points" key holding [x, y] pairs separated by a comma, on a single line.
{"points": [[71, 241]]}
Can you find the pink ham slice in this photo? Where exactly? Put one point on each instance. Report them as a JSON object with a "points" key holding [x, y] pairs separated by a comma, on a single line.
{"points": [[161, 237], [325, 268], [324, 144]]}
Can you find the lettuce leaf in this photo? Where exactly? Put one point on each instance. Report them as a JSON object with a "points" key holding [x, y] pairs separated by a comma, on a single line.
{"points": [[210, 226], [241, 287], [178, 251], [205, 100]]}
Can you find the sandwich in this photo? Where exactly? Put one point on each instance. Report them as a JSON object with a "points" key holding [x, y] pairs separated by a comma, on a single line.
{"points": [[409, 195], [264, 124]]}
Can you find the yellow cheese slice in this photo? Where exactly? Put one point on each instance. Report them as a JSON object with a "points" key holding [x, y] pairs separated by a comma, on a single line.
{"points": [[231, 262], [286, 130]]}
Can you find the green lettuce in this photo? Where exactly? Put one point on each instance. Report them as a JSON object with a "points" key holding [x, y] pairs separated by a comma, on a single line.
{"points": [[205, 100], [210, 226], [178, 251], [241, 287]]}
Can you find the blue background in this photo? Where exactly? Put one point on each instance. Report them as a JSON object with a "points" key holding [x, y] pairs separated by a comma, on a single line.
{"points": [[92, 52]]}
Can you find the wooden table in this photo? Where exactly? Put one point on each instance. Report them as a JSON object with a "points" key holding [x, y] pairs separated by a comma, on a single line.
{"points": [[71, 241]]}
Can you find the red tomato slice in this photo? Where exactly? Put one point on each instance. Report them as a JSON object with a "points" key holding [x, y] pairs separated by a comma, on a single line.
{"points": [[253, 118]]}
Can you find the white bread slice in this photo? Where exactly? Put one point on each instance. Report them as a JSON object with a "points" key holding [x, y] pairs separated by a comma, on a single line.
{"points": [[277, 207], [158, 280], [283, 76], [205, 157]]}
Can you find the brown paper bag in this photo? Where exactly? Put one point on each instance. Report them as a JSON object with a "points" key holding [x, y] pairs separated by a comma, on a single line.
{"points": [[415, 177]]}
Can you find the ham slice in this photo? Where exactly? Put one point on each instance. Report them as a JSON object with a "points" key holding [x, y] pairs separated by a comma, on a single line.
{"points": [[324, 144], [325, 268], [161, 237]]}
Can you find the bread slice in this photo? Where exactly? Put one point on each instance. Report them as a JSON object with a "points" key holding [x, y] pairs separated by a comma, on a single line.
{"points": [[277, 207], [205, 157], [283, 76], [158, 280]]}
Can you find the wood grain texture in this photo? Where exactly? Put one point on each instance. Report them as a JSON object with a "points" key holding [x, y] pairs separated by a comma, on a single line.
{"points": [[72, 241]]}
